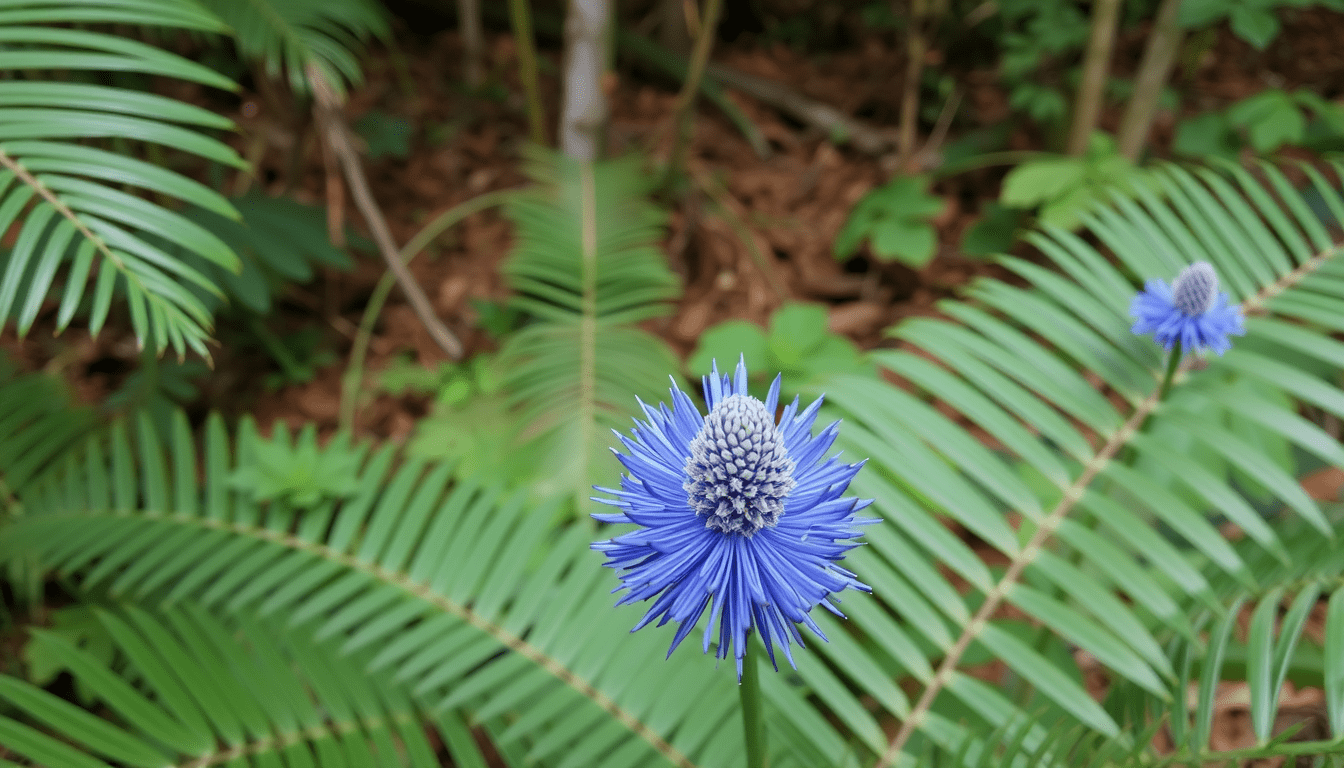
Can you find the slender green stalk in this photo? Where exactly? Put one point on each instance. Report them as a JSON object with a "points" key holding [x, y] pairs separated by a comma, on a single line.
{"points": [[1173, 362], [520, 16], [749, 690], [354, 372], [704, 43]]}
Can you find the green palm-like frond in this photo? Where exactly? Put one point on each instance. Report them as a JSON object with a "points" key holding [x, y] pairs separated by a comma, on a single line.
{"points": [[40, 423], [1096, 495], [462, 594], [1258, 636], [586, 265], [288, 36], [186, 689], [69, 195]]}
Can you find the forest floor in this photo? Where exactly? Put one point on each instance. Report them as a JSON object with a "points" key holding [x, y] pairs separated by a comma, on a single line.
{"points": [[746, 233]]}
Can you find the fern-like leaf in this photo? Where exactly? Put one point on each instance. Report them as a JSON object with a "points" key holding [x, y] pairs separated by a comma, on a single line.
{"points": [[186, 689], [1110, 489], [586, 266], [462, 594], [288, 36], [68, 195]]}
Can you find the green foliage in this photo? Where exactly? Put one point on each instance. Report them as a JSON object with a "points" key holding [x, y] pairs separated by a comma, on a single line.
{"points": [[797, 346], [472, 423], [1061, 188], [300, 474], [455, 595], [384, 135], [1035, 35], [79, 203], [1265, 122], [289, 36], [39, 422], [894, 220], [1254, 21], [585, 266], [487, 599], [995, 232], [278, 241], [183, 687]]}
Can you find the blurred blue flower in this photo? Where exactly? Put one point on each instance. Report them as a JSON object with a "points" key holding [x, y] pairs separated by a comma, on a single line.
{"points": [[733, 511], [1190, 310]]}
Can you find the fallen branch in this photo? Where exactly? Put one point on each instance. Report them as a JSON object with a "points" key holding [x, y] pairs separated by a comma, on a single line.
{"points": [[327, 111], [831, 121]]}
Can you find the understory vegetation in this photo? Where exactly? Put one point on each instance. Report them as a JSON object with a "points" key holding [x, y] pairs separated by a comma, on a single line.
{"points": [[315, 330]]}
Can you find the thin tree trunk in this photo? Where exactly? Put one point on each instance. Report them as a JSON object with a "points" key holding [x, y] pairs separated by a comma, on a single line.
{"points": [[1096, 65], [473, 41], [1163, 44], [520, 16], [583, 105]]}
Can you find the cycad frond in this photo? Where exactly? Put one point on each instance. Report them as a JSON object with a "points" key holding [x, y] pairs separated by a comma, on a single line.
{"points": [[189, 690], [288, 36], [69, 195], [40, 423], [586, 265], [1095, 488], [1257, 636], [469, 597]]}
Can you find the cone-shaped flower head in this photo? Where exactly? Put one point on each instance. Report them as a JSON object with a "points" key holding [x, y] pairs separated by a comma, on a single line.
{"points": [[1190, 310], [736, 513]]}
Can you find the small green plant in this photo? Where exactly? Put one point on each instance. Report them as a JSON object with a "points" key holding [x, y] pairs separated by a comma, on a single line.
{"points": [[1036, 34], [894, 219], [301, 474], [473, 422], [385, 135], [797, 345], [1264, 122], [278, 241], [995, 232], [1254, 21], [1061, 187]]}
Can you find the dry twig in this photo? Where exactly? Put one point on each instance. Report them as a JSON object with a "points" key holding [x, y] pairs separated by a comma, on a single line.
{"points": [[327, 110], [865, 138]]}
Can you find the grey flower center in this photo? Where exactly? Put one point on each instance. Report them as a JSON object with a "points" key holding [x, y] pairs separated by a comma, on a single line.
{"points": [[739, 471], [1193, 291]]}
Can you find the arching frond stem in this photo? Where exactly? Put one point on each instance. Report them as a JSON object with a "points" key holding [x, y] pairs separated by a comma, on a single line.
{"points": [[1072, 495]]}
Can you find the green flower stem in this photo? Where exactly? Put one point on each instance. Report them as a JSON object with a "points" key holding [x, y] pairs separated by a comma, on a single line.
{"points": [[1173, 362], [749, 689]]}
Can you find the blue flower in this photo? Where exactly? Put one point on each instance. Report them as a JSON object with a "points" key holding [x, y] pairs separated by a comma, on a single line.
{"points": [[734, 512], [1190, 310]]}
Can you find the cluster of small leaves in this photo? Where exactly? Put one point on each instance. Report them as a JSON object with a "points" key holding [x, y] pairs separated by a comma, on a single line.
{"points": [[796, 345], [894, 220], [1264, 122], [299, 474], [1061, 188], [1034, 34], [1255, 21]]}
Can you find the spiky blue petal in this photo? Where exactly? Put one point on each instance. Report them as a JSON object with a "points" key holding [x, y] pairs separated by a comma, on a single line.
{"points": [[1190, 310], [735, 514]]}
